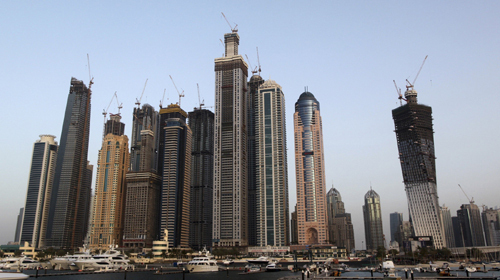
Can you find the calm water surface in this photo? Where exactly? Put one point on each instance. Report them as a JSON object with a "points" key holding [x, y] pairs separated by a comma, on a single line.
{"points": [[222, 275]]}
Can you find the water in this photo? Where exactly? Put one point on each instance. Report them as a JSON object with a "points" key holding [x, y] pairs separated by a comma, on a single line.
{"points": [[222, 275]]}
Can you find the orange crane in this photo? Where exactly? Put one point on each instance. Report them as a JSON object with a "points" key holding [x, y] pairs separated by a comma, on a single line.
{"points": [[181, 94], [138, 101], [235, 29]]}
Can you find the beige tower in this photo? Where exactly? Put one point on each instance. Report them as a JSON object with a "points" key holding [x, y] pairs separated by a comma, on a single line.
{"points": [[310, 172], [106, 226]]}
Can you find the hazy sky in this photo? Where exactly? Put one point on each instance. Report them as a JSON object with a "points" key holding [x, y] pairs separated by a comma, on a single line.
{"points": [[347, 52]]}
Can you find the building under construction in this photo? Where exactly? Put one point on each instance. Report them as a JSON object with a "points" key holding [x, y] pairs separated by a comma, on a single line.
{"points": [[415, 139]]}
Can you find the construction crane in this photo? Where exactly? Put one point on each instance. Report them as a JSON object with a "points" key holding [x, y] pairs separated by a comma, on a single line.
{"points": [[105, 112], [138, 101], [91, 79], [235, 29], [410, 85], [258, 60], [471, 201], [254, 69], [181, 94], [398, 90], [163, 98], [202, 103]]}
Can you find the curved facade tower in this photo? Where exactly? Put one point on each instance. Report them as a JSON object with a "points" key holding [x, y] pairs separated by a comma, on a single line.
{"points": [[415, 138], [310, 172]]}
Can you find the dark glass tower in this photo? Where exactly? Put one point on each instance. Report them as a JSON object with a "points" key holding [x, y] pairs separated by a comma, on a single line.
{"points": [[372, 214], [253, 85], [469, 218], [415, 139], [36, 209], [176, 175], [70, 194], [201, 122]]}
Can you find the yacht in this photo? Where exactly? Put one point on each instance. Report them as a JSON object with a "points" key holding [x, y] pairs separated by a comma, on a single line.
{"points": [[205, 263], [13, 275], [227, 261], [7, 263], [112, 258], [65, 262], [259, 260], [273, 267]]}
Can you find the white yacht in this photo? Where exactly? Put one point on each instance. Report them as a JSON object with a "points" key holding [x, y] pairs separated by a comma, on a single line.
{"points": [[112, 258], [65, 262], [7, 263], [259, 260], [204, 263], [13, 275]]}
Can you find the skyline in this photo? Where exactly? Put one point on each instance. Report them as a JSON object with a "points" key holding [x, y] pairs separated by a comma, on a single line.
{"points": [[346, 54]]}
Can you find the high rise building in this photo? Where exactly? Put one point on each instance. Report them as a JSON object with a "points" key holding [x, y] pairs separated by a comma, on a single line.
{"points": [[457, 232], [230, 214], [396, 220], [36, 209], [69, 205], [310, 171], [143, 182], [143, 149], [415, 139], [470, 223], [404, 233], [272, 171], [340, 228], [106, 226], [294, 239], [201, 122], [253, 85], [17, 235], [372, 214], [176, 176], [491, 224], [448, 227]]}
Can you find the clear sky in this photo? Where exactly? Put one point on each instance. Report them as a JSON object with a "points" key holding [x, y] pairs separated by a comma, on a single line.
{"points": [[347, 52]]}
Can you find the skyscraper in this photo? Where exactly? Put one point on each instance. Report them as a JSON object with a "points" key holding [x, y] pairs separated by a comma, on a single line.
{"points": [[69, 205], [491, 224], [254, 83], [415, 139], [36, 209], [372, 215], [448, 227], [230, 214], [176, 176], [272, 171], [109, 199], [201, 122], [143, 183], [469, 218], [310, 171], [340, 228], [396, 220]]}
